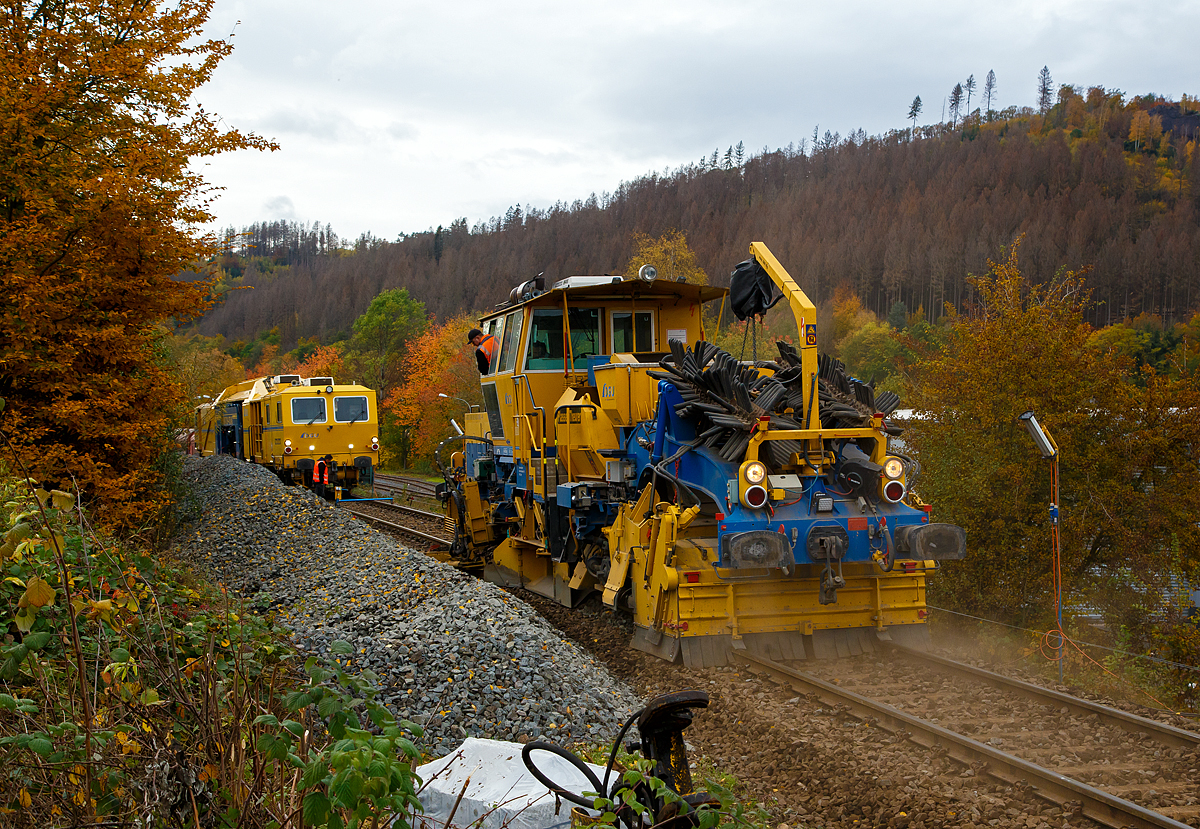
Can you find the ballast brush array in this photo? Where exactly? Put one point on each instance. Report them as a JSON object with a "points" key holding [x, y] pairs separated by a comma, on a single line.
{"points": [[725, 397]]}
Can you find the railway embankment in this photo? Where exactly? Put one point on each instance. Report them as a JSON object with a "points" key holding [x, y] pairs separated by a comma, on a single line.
{"points": [[457, 654]]}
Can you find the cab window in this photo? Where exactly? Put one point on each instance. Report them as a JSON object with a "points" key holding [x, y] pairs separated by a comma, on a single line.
{"points": [[279, 411], [512, 341], [495, 328], [308, 410], [267, 410], [547, 338], [350, 409], [632, 331], [584, 324]]}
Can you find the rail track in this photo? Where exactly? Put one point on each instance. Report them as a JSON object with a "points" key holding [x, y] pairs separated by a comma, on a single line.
{"points": [[1116, 768], [423, 529], [1111, 766], [403, 487]]}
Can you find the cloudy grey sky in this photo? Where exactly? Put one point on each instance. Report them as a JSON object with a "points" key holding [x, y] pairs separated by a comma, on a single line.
{"points": [[398, 116]]}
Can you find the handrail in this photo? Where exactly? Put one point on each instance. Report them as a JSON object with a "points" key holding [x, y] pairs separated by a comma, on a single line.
{"points": [[541, 444], [569, 351]]}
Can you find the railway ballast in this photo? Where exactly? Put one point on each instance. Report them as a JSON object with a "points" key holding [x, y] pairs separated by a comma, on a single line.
{"points": [[457, 653]]}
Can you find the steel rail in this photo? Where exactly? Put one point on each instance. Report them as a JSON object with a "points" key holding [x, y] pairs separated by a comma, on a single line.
{"points": [[1098, 805], [398, 483], [371, 519], [420, 513], [1175, 737]]}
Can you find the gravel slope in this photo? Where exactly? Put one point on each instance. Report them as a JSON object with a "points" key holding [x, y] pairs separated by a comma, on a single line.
{"points": [[458, 654]]}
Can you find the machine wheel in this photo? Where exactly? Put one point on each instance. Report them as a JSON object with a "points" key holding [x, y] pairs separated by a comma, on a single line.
{"points": [[596, 559]]}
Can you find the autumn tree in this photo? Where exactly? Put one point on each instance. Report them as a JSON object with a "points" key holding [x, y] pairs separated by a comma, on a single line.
{"points": [[441, 365], [849, 315], [1144, 128], [870, 352], [325, 361], [1129, 504], [670, 256], [99, 209], [201, 366]]}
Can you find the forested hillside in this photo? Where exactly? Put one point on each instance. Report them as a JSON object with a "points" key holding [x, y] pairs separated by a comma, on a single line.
{"points": [[1096, 182]]}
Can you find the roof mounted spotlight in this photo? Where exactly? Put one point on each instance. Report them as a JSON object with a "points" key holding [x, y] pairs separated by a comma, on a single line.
{"points": [[1041, 437], [647, 273], [329, 389]]}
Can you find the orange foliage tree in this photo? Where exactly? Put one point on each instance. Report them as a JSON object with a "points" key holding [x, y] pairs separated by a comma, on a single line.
{"points": [[326, 361], [98, 210], [440, 363]]}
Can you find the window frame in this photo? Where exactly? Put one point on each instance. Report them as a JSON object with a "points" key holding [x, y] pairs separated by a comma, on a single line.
{"points": [[561, 360], [306, 421], [495, 328], [511, 346], [366, 405], [612, 329]]}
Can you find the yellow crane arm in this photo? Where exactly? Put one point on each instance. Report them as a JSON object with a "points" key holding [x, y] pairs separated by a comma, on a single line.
{"points": [[805, 314]]}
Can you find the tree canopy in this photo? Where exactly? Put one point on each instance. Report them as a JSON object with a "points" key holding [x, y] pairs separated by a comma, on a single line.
{"points": [[1128, 457], [381, 336], [670, 256], [98, 210]]}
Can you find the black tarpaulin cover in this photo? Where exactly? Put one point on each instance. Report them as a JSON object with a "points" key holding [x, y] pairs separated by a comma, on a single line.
{"points": [[751, 291]]}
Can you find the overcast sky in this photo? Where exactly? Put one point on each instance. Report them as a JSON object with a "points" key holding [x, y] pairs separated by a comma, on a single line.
{"points": [[395, 117]]}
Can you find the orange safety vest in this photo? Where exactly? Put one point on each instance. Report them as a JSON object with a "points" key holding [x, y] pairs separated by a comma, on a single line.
{"points": [[488, 348], [322, 475]]}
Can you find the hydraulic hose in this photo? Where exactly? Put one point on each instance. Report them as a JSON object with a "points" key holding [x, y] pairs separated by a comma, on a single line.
{"points": [[601, 786]]}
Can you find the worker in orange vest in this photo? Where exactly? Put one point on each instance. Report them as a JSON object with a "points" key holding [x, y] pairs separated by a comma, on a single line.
{"points": [[485, 348], [321, 475]]}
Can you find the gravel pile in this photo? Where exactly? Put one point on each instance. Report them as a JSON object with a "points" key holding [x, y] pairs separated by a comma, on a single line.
{"points": [[454, 653]]}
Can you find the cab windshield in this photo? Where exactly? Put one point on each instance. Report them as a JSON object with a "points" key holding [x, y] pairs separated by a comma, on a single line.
{"points": [[548, 340]]}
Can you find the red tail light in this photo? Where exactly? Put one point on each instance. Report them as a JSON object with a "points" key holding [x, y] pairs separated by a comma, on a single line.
{"points": [[287, 450], [756, 497], [893, 491]]}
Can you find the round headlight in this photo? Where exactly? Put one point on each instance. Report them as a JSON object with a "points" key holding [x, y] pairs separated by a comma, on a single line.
{"points": [[647, 273], [893, 468], [755, 472], [329, 389], [287, 443], [312, 449], [352, 446], [374, 440]]}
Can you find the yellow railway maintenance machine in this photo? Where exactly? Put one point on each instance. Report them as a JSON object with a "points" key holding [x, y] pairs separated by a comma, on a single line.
{"points": [[288, 422], [723, 503]]}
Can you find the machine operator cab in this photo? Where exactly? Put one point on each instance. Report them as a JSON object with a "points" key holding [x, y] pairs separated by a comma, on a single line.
{"points": [[576, 357]]}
